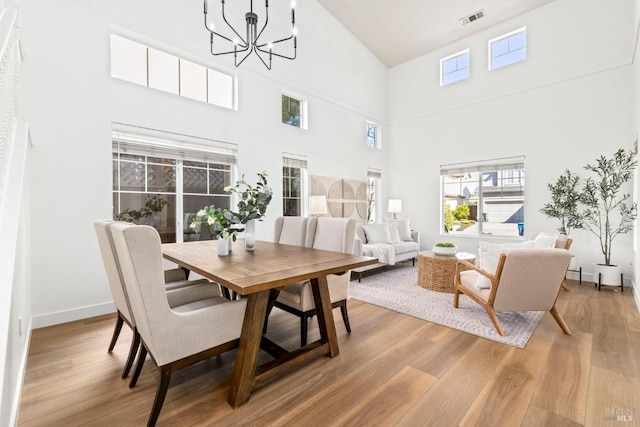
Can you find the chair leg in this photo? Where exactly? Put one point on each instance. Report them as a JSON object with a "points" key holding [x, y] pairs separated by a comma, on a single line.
{"points": [[494, 318], [304, 323], [133, 350], [565, 286], [559, 320], [141, 356], [345, 315], [456, 298], [116, 331], [161, 392]]}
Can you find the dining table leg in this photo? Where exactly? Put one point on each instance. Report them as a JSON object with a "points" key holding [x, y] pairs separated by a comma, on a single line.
{"points": [[247, 357], [326, 324]]}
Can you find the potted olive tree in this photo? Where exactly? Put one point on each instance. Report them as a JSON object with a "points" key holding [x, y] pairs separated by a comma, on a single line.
{"points": [[608, 212], [600, 206]]}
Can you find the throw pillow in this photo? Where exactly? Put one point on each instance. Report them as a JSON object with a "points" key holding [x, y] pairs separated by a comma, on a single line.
{"points": [[393, 232], [545, 241], [404, 229], [377, 233], [489, 256]]}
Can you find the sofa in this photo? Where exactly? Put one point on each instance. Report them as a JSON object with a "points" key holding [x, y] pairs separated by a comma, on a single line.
{"points": [[391, 242]]}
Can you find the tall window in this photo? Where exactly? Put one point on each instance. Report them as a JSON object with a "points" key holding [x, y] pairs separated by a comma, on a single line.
{"points": [[373, 135], [294, 180], [508, 49], [374, 177], [483, 198], [163, 179], [454, 68], [294, 111]]}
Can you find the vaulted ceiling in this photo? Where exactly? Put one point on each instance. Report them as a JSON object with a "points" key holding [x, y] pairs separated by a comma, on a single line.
{"points": [[399, 30]]}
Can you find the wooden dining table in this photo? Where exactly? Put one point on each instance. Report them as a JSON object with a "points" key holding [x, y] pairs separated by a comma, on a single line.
{"points": [[259, 275]]}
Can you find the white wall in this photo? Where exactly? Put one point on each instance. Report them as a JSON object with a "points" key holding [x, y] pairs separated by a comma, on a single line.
{"points": [[567, 104], [71, 101]]}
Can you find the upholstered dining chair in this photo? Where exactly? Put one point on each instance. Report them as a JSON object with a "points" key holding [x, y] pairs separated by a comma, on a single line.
{"points": [[179, 290], [291, 230], [525, 280], [331, 234], [174, 337], [562, 242]]}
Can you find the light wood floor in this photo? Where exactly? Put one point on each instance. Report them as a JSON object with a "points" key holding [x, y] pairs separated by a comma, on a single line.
{"points": [[392, 370]]}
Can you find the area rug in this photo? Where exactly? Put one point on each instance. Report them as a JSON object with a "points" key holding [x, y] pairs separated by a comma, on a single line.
{"points": [[397, 289]]}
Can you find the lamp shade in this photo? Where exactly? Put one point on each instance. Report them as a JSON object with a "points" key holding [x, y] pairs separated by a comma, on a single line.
{"points": [[317, 205], [395, 206]]}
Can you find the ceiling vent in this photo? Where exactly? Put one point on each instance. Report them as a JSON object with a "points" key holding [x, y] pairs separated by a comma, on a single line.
{"points": [[474, 16]]}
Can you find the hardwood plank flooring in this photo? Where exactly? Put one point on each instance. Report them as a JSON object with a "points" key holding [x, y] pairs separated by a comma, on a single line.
{"points": [[392, 370]]}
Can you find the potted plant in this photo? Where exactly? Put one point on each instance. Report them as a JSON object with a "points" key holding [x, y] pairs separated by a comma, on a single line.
{"points": [[445, 249], [607, 211], [252, 205], [564, 202], [221, 221], [599, 207]]}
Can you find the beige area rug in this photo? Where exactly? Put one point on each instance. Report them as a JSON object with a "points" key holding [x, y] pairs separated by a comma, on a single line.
{"points": [[397, 289]]}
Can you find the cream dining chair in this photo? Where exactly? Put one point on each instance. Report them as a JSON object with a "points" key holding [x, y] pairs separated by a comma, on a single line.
{"points": [[525, 280], [330, 234], [174, 337], [179, 290]]}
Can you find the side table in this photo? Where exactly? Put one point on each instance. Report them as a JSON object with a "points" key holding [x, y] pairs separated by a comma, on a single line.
{"points": [[436, 272]]}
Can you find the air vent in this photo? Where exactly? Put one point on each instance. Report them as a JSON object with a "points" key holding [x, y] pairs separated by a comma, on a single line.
{"points": [[474, 16]]}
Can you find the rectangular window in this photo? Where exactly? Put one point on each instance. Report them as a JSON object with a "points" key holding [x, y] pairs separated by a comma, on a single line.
{"points": [[294, 184], [163, 179], [373, 135], [508, 49], [483, 198], [294, 111], [140, 64], [374, 176], [454, 68]]}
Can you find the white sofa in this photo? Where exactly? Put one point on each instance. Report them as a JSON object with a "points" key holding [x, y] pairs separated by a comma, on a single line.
{"points": [[403, 249]]}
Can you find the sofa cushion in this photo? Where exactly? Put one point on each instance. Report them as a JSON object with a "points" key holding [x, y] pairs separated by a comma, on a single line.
{"points": [[360, 232], [404, 229], [377, 233], [404, 247], [394, 233]]}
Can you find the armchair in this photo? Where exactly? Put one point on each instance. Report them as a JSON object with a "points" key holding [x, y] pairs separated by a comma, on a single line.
{"points": [[525, 280], [562, 242]]}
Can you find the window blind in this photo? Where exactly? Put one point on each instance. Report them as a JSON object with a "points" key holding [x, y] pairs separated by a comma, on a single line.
{"points": [[374, 173], [506, 163], [149, 142], [294, 160]]}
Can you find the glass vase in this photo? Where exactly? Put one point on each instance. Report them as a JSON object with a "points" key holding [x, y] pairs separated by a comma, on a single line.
{"points": [[223, 247], [250, 235]]}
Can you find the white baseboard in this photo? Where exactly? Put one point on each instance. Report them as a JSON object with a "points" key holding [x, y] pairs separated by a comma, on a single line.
{"points": [[43, 320]]}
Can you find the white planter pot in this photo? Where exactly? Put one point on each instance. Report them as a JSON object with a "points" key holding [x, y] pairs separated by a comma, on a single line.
{"points": [[438, 250], [607, 274]]}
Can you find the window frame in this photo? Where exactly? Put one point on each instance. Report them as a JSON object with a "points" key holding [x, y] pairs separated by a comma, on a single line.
{"points": [[374, 190], [507, 192], [303, 113], [151, 144], [493, 41], [377, 138], [295, 161], [215, 77], [456, 55]]}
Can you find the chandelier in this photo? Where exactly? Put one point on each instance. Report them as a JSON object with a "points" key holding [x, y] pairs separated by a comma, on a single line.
{"points": [[244, 46]]}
